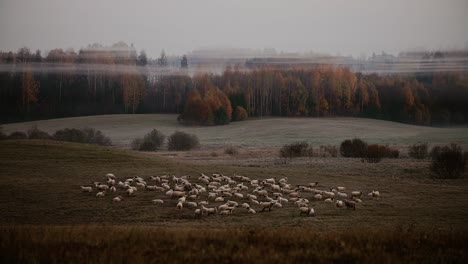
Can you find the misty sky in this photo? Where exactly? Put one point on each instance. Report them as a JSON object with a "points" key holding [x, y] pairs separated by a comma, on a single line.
{"points": [[346, 27]]}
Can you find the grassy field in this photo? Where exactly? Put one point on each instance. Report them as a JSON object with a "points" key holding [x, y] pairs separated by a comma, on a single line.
{"points": [[41, 201], [258, 133]]}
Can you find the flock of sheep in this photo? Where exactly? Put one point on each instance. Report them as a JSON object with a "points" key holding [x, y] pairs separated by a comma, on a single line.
{"points": [[232, 192]]}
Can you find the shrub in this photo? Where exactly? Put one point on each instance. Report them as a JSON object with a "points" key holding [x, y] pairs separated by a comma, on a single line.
{"points": [[329, 150], [182, 141], [375, 153], [355, 148], [297, 149], [231, 150], [85, 135], [150, 142], [392, 153], [35, 133], [448, 162], [17, 135], [418, 151], [240, 113]]}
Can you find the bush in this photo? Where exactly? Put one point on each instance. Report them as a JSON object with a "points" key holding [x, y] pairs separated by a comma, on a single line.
{"points": [[182, 141], [240, 114], [392, 153], [418, 151], [150, 142], [35, 133], [17, 135], [355, 148], [375, 153], [448, 162], [231, 150], [85, 135], [297, 149]]}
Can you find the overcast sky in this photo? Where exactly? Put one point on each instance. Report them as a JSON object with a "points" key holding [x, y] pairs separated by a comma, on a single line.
{"points": [[346, 27]]}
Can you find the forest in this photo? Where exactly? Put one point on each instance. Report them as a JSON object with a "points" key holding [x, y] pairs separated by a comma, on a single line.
{"points": [[115, 80]]}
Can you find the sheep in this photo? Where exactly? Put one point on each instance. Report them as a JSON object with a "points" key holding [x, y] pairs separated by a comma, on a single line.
{"points": [[265, 205], [329, 200], [191, 204], [307, 211], [239, 195], [140, 184], [374, 194], [339, 204], [110, 176], [255, 202], [112, 189], [86, 189], [313, 184], [209, 211], [225, 212], [182, 199], [357, 200], [279, 205], [117, 199], [203, 203], [110, 181], [158, 201], [176, 194], [233, 203], [318, 196], [101, 194], [342, 195], [356, 194], [262, 193], [282, 200], [350, 204], [198, 213], [252, 211], [129, 191], [294, 195], [211, 196], [121, 184], [251, 197], [101, 187], [245, 205], [179, 205], [341, 189], [219, 199]]}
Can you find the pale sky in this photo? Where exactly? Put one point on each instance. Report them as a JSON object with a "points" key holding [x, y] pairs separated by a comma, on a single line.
{"points": [[346, 27]]}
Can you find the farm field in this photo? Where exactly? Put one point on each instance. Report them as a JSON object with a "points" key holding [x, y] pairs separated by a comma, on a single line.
{"points": [[257, 133]]}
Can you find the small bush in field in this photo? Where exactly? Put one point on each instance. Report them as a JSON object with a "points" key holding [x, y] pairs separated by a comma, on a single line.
{"points": [[150, 142], [17, 135], [182, 141], [448, 162], [392, 153], [297, 149], [375, 153], [231, 150], [418, 151], [35, 133], [240, 113], [355, 148], [85, 135]]}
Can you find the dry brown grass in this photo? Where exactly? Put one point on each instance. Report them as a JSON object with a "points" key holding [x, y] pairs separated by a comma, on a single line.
{"points": [[137, 244]]}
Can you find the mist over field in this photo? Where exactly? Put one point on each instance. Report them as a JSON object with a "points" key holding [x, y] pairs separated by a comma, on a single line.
{"points": [[234, 131]]}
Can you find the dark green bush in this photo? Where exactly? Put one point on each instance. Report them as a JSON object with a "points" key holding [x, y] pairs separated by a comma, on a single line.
{"points": [[418, 151], [182, 141], [85, 135], [17, 135], [448, 162], [355, 148], [150, 142], [35, 133], [221, 117], [296, 149], [231, 150], [329, 150]]}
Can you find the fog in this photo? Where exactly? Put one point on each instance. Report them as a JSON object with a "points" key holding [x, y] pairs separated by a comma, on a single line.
{"points": [[333, 27]]}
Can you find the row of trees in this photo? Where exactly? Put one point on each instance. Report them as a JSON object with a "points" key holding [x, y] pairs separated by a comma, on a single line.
{"points": [[30, 91]]}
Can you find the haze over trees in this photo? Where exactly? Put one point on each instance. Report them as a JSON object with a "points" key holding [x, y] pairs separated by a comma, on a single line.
{"points": [[32, 89]]}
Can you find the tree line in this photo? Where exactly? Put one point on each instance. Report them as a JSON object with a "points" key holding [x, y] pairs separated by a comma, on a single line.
{"points": [[323, 90]]}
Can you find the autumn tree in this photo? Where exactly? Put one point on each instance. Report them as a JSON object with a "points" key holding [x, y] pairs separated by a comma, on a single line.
{"points": [[133, 89], [29, 89]]}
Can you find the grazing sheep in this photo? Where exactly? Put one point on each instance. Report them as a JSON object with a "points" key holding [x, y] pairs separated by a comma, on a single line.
{"points": [[357, 200], [101, 194], [374, 194], [294, 195], [265, 205], [329, 200], [198, 213], [350, 204], [117, 199], [251, 197], [313, 184], [209, 211], [233, 203], [203, 203], [121, 184], [339, 204], [179, 205], [219, 199], [251, 211], [177, 194], [282, 200], [356, 194], [112, 189], [101, 187], [245, 205], [158, 201], [307, 211], [225, 212], [239, 195], [279, 205], [110, 176], [86, 189], [342, 195], [318, 196], [111, 182], [129, 191], [191, 204], [341, 189]]}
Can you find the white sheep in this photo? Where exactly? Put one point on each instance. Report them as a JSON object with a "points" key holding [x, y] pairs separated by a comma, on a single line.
{"points": [[329, 200], [252, 211], [179, 205], [112, 189], [219, 199], [342, 195], [318, 196], [129, 191], [307, 211], [265, 205], [245, 205], [239, 195], [356, 194], [158, 201], [117, 199], [341, 188], [198, 212], [110, 176], [101, 194], [86, 188], [339, 204], [191, 204]]}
